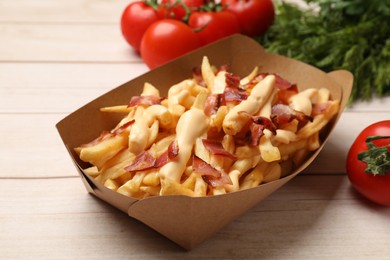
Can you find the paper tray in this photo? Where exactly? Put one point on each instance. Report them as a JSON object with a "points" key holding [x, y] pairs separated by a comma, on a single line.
{"points": [[186, 220]]}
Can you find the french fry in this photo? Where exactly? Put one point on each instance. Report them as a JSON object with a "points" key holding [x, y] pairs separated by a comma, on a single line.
{"points": [[189, 183], [254, 177], [103, 151], [274, 172], [151, 179], [132, 187], [217, 119], [268, 151], [284, 136], [150, 190], [115, 171], [152, 134], [288, 149], [207, 73], [200, 188], [150, 90], [323, 95], [238, 169], [319, 121], [301, 102], [219, 84], [116, 109], [250, 76], [112, 185], [170, 187], [92, 171]]}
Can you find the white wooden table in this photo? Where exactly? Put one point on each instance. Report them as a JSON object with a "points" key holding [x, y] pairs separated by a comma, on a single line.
{"points": [[57, 55]]}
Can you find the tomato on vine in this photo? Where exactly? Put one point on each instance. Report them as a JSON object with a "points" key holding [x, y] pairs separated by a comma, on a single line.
{"points": [[180, 9], [254, 16], [165, 40], [368, 163], [135, 19], [212, 26]]}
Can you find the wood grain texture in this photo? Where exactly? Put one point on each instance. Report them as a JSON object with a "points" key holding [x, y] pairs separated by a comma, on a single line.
{"points": [[312, 217], [55, 56], [69, 11]]}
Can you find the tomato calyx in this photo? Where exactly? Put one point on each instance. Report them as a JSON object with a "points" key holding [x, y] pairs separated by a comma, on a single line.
{"points": [[152, 3], [377, 158]]}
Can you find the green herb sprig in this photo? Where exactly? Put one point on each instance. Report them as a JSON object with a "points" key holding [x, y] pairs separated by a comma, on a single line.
{"points": [[337, 34]]}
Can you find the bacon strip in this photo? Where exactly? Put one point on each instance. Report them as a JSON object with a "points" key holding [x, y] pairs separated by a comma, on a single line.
{"points": [[213, 102], [209, 174], [320, 108], [266, 122], [256, 127], [144, 101], [123, 127], [232, 81], [281, 83], [234, 94], [282, 114], [216, 148], [145, 161], [197, 76], [202, 167], [107, 134], [173, 150], [284, 95]]}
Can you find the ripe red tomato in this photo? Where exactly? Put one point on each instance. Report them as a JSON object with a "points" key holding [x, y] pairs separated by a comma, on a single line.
{"points": [[136, 18], [165, 40], [374, 185], [254, 16], [177, 9], [212, 26]]}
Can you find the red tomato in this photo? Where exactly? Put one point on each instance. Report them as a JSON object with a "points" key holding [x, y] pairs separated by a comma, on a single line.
{"points": [[375, 185], [136, 18], [212, 26], [254, 16], [165, 40], [177, 9]]}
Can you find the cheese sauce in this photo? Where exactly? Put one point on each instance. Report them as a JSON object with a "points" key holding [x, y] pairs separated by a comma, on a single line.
{"points": [[192, 124], [233, 123]]}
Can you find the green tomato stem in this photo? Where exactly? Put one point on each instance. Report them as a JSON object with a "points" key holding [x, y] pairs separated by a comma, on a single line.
{"points": [[376, 158]]}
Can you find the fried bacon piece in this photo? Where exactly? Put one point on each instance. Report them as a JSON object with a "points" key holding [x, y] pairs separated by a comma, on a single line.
{"points": [[216, 148], [234, 94], [320, 108], [232, 81], [210, 175], [256, 127], [282, 114], [197, 76], [145, 161], [213, 102], [144, 101], [107, 134]]}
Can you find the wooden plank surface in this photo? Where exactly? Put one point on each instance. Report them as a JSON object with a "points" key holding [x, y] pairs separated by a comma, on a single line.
{"points": [[57, 55], [69, 11], [56, 218]]}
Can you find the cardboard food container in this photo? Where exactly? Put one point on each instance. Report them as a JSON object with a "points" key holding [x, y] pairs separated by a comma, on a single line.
{"points": [[188, 221]]}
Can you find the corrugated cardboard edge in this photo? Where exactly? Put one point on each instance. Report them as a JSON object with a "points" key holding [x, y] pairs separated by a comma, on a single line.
{"points": [[188, 221]]}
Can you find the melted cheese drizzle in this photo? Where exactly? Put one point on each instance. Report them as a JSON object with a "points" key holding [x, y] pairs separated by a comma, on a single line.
{"points": [[192, 124], [233, 123], [302, 101]]}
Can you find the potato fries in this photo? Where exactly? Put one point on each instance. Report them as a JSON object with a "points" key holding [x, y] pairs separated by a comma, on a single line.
{"points": [[213, 134]]}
